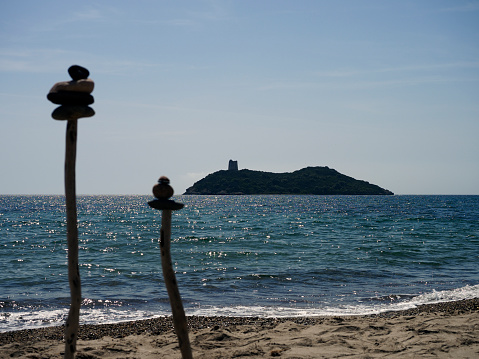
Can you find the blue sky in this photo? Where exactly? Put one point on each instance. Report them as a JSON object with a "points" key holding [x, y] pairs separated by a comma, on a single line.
{"points": [[384, 91]]}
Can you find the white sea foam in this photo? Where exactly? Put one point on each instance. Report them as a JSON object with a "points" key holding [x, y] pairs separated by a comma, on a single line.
{"points": [[44, 318], [467, 292], [49, 318], [29, 319]]}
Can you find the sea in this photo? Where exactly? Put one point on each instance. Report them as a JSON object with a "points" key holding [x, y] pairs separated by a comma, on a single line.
{"points": [[260, 256]]}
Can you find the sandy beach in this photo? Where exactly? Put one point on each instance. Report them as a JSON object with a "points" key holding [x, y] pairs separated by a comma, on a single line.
{"points": [[444, 330]]}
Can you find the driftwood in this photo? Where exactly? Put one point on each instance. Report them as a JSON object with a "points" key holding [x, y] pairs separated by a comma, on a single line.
{"points": [[72, 323], [162, 191], [73, 96], [179, 318]]}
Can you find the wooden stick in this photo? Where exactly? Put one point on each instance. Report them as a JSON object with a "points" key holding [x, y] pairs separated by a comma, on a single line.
{"points": [[73, 96], [179, 318], [72, 323]]}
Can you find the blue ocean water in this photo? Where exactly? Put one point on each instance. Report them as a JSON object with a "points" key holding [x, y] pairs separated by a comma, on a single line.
{"points": [[238, 256]]}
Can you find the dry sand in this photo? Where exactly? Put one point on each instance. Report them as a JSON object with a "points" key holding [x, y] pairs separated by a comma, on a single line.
{"points": [[445, 330]]}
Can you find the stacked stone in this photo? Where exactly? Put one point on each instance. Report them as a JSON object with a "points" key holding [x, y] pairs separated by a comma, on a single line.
{"points": [[163, 191], [73, 96]]}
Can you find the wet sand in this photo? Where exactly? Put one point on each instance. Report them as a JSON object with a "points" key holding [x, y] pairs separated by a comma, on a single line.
{"points": [[444, 330]]}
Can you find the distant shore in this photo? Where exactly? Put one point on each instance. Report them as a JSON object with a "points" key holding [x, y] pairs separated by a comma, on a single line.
{"points": [[447, 329]]}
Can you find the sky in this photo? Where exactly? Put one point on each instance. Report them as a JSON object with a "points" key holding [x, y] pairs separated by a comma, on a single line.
{"points": [[382, 91]]}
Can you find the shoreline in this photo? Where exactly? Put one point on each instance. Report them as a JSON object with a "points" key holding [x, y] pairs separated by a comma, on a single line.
{"points": [[443, 329]]}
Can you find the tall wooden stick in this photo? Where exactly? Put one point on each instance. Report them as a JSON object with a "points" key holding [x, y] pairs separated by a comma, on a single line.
{"points": [[74, 98], [162, 191], [179, 318], [72, 323]]}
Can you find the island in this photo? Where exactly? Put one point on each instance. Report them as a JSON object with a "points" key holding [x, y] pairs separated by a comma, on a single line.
{"points": [[306, 181]]}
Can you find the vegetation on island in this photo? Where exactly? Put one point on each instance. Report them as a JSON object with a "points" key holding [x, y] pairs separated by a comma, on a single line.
{"points": [[310, 180]]}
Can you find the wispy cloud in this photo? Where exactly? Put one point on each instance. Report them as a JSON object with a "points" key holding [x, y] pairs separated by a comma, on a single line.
{"points": [[409, 68], [97, 13], [31, 60], [49, 60], [338, 73], [88, 15], [472, 6], [180, 22], [214, 10], [349, 82]]}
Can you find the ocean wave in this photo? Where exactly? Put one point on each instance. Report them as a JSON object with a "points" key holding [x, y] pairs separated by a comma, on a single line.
{"points": [[28, 318]]}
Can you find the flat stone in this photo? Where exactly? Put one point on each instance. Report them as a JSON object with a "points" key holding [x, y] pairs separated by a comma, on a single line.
{"points": [[83, 85], [70, 98], [65, 112], [165, 204], [77, 72]]}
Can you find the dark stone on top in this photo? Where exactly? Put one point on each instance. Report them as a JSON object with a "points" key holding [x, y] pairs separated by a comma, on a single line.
{"points": [[66, 112], [164, 179], [77, 72], [70, 98]]}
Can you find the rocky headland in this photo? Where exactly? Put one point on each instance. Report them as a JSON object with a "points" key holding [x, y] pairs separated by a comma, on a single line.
{"points": [[309, 180]]}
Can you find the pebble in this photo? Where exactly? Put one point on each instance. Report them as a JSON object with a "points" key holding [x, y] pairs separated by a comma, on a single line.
{"points": [[77, 72], [66, 112], [82, 85], [70, 98], [163, 190]]}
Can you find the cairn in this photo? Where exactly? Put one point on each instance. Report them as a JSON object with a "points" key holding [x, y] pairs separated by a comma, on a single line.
{"points": [[163, 192], [73, 97]]}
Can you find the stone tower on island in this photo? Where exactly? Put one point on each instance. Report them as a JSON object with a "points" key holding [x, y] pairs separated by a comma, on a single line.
{"points": [[233, 165]]}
